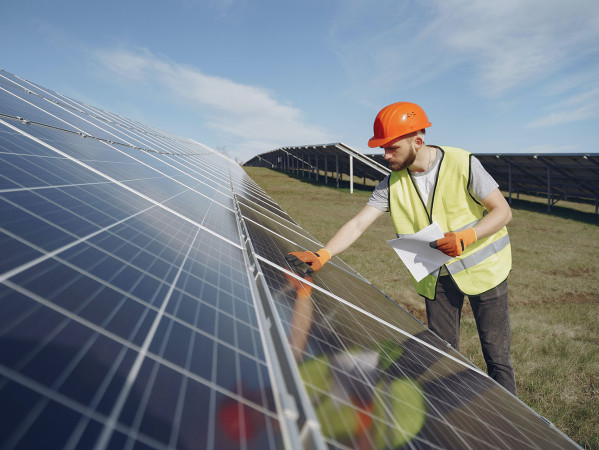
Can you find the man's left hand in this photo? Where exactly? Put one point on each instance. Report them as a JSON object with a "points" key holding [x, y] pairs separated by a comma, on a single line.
{"points": [[454, 243], [315, 260]]}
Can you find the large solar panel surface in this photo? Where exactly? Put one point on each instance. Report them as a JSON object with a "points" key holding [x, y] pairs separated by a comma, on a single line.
{"points": [[145, 303]]}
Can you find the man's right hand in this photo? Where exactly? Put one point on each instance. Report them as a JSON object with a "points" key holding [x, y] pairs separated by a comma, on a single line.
{"points": [[315, 260]]}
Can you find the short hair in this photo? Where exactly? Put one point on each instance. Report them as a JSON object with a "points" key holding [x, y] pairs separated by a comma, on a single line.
{"points": [[419, 133]]}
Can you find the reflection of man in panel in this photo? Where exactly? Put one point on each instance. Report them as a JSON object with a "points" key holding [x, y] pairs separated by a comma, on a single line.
{"points": [[449, 186], [346, 386], [383, 395]]}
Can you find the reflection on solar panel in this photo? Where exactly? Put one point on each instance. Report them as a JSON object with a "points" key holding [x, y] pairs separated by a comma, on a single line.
{"points": [[145, 303]]}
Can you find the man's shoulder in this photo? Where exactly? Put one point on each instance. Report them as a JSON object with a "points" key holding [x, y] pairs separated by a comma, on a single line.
{"points": [[455, 150], [383, 184], [379, 198]]}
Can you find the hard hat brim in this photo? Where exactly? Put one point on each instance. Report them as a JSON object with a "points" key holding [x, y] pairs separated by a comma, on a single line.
{"points": [[380, 142]]}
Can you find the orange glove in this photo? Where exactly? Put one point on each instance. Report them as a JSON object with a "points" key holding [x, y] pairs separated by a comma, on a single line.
{"points": [[314, 259], [454, 243]]}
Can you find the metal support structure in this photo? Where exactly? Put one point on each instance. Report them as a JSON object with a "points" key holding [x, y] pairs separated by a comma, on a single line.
{"points": [[509, 178], [548, 189], [351, 174], [337, 169]]}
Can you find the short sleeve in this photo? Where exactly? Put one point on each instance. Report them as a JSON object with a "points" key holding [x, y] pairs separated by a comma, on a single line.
{"points": [[481, 182], [380, 196]]}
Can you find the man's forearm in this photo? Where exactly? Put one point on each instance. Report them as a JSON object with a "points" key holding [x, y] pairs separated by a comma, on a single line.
{"points": [[352, 230], [345, 236], [490, 224], [499, 215]]}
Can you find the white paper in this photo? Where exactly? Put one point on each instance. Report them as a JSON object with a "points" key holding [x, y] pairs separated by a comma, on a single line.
{"points": [[416, 253]]}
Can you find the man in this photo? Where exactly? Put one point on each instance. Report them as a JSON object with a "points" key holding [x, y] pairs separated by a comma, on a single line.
{"points": [[449, 186]]}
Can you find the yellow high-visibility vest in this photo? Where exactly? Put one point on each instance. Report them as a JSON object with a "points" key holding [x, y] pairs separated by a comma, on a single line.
{"points": [[482, 265]]}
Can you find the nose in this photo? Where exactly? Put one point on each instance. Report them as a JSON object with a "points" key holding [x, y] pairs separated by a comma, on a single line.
{"points": [[388, 154]]}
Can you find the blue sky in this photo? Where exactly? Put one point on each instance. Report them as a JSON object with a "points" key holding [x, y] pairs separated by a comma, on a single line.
{"points": [[247, 76]]}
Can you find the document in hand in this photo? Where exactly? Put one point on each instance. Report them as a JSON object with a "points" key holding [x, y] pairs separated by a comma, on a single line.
{"points": [[416, 253]]}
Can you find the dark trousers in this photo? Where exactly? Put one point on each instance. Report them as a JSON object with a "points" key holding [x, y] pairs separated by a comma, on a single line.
{"points": [[491, 312]]}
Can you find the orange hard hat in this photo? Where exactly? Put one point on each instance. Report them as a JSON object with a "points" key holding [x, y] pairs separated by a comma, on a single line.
{"points": [[397, 120]]}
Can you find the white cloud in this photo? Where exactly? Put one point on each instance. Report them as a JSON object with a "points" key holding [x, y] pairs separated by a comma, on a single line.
{"points": [[581, 105], [250, 114], [564, 116], [381, 47], [514, 42], [502, 45]]}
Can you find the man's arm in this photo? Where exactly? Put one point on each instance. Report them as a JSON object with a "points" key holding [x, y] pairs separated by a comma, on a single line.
{"points": [[352, 230], [499, 215], [345, 237]]}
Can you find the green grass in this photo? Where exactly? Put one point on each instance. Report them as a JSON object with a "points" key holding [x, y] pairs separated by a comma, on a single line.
{"points": [[554, 291]]}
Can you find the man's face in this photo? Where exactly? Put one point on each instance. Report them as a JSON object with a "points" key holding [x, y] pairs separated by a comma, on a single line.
{"points": [[400, 153]]}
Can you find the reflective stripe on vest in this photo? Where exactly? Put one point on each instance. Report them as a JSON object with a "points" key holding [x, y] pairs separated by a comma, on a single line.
{"points": [[483, 264], [478, 257]]}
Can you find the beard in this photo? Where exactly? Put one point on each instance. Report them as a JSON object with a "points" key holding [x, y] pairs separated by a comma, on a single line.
{"points": [[397, 166]]}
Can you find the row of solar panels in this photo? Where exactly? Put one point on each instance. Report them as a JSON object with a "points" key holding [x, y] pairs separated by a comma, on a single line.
{"points": [[557, 177], [320, 160], [145, 302]]}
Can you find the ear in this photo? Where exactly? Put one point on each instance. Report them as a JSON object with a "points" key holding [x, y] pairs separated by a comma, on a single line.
{"points": [[418, 141]]}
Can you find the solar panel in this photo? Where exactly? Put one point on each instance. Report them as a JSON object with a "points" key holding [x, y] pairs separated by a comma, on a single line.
{"points": [[556, 176], [314, 161], [571, 176], [145, 302]]}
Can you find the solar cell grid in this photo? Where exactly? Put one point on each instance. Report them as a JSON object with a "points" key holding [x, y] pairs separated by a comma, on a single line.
{"points": [[265, 203], [273, 230], [105, 268], [44, 171], [26, 87], [247, 201], [145, 302], [276, 236], [201, 175], [37, 109], [95, 125]]}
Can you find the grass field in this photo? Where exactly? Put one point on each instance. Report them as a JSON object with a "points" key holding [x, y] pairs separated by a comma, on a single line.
{"points": [[554, 285]]}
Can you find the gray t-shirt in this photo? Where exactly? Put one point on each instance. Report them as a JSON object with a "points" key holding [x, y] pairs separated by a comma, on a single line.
{"points": [[481, 184]]}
